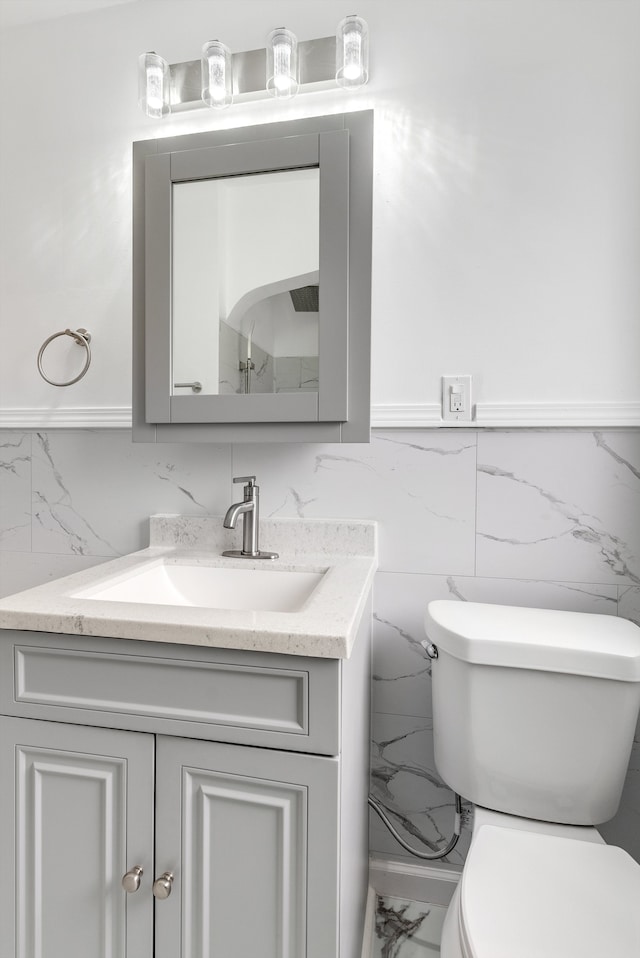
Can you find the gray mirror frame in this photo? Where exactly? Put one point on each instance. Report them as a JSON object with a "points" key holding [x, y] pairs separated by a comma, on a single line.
{"points": [[342, 146]]}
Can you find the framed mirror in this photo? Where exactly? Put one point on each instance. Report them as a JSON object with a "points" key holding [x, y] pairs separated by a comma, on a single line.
{"points": [[245, 284], [252, 265]]}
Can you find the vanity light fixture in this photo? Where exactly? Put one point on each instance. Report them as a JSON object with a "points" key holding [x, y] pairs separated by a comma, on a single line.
{"points": [[221, 77], [352, 53], [217, 75], [282, 64], [153, 85]]}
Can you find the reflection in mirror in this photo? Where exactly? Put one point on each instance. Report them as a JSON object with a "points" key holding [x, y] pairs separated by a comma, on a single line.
{"points": [[277, 345], [245, 283]]}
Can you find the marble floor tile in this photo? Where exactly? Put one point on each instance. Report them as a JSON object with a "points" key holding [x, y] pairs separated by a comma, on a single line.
{"points": [[407, 929]]}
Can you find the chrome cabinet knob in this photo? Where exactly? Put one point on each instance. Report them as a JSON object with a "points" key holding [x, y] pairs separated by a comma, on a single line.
{"points": [[131, 881], [162, 886]]}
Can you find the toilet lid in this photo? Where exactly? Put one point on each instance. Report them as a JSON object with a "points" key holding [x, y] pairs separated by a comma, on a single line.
{"points": [[531, 895]]}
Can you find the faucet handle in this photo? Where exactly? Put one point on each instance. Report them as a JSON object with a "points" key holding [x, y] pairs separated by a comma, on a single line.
{"points": [[250, 480]]}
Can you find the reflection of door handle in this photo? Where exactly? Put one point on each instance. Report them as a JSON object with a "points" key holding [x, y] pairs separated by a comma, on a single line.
{"points": [[196, 386]]}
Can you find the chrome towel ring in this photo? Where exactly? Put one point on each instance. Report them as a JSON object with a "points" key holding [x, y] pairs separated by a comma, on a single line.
{"points": [[82, 338]]}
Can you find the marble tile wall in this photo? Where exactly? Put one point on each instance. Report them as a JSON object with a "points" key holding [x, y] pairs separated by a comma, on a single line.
{"points": [[296, 373], [543, 518]]}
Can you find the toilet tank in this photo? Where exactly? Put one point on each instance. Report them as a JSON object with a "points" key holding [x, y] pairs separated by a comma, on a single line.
{"points": [[534, 710]]}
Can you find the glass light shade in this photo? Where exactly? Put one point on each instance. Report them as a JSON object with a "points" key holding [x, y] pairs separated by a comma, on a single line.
{"points": [[352, 53], [282, 64], [217, 75], [153, 85]]}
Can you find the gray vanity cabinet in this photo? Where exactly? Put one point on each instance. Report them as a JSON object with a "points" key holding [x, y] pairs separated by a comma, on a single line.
{"points": [[249, 834], [265, 846], [75, 806]]}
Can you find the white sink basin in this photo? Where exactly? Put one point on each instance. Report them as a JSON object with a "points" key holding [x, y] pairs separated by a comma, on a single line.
{"points": [[209, 587]]}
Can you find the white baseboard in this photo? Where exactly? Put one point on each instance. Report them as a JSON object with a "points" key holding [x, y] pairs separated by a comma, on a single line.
{"points": [[399, 879]]}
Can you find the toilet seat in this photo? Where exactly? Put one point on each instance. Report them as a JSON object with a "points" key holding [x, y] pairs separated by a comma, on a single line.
{"points": [[538, 896]]}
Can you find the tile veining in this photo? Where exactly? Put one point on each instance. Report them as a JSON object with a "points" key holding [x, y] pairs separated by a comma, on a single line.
{"points": [[57, 514], [412, 640], [407, 929], [425, 504], [395, 777], [11, 464], [49, 515], [169, 469], [603, 444], [15, 484], [537, 517], [299, 504], [459, 589], [435, 450]]}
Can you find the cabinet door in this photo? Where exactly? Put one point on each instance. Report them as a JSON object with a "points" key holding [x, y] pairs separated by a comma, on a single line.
{"points": [[251, 837], [76, 812]]}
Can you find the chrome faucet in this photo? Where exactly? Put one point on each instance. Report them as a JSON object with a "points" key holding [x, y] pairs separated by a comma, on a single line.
{"points": [[249, 509]]}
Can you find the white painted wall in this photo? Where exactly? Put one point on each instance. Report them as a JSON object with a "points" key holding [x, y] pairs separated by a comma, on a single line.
{"points": [[507, 189]]}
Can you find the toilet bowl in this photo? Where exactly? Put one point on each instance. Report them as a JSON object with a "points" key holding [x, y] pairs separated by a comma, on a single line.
{"points": [[543, 892], [534, 713]]}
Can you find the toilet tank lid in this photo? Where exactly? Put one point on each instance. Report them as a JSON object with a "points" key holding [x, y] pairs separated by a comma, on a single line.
{"points": [[582, 643]]}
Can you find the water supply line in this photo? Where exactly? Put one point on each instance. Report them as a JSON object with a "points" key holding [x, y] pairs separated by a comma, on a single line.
{"points": [[432, 652], [428, 856]]}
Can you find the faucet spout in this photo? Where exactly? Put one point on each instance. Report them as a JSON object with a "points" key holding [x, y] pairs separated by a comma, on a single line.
{"points": [[237, 509]]}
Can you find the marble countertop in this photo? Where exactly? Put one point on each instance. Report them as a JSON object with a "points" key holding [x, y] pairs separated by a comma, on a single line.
{"points": [[325, 626]]}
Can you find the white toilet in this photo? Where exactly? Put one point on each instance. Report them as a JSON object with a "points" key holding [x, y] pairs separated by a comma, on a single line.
{"points": [[534, 713]]}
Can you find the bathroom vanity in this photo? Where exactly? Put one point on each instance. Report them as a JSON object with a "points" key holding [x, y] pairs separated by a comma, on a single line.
{"points": [[211, 761]]}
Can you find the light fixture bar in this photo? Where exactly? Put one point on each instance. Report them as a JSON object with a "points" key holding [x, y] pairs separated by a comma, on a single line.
{"points": [[317, 64]]}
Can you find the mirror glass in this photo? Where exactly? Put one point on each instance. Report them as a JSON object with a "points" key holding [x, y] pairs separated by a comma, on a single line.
{"points": [[245, 283]]}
